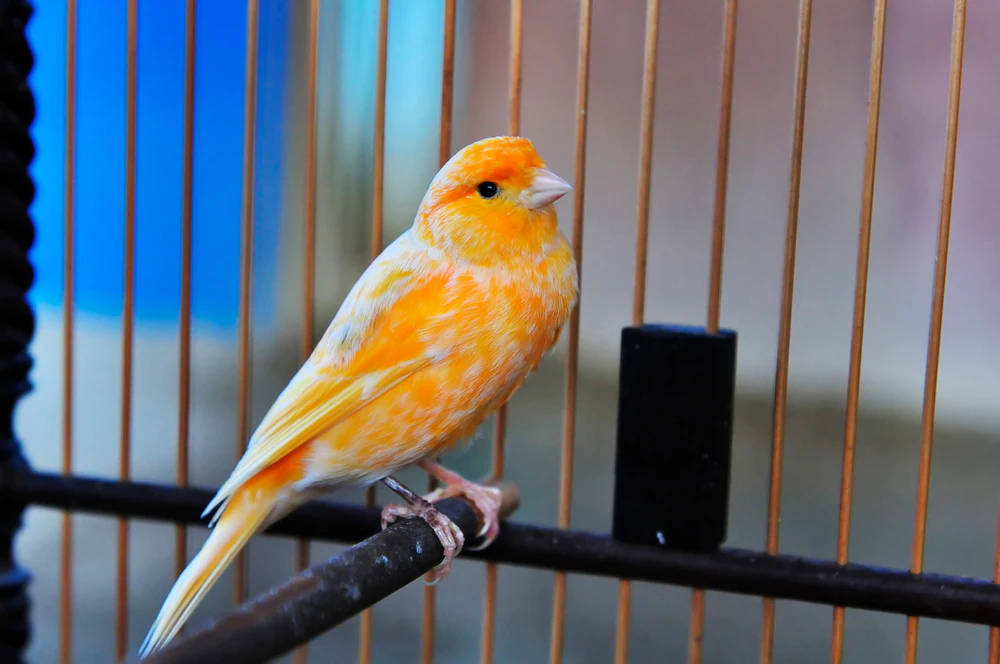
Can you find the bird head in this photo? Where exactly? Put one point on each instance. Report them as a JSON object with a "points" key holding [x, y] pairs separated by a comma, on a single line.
{"points": [[493, 198]]}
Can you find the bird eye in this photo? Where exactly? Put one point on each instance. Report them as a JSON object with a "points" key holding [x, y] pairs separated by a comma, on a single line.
{"points": [[487, 189]]}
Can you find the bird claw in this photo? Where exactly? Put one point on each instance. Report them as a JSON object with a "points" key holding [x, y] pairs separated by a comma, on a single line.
{"points": [[485, 501], [449, 535]]}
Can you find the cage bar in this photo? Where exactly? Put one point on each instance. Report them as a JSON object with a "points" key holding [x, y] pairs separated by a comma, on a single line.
{"points": [[309, 217], [833, 582], [427, 625], [785, 323], [975, 601], [489, 603], [937, 312], [715, 272], [697, 631], [641, 249], [309, 239], [858, 326], [244, 368], [514, 93], [128, 320], [378, 139], [184, 316], [722, 168], [378, 181], [69, 245], [500, 417], [645, 158], [621, 620], [447, 82], [994, 652], [573, 341]]}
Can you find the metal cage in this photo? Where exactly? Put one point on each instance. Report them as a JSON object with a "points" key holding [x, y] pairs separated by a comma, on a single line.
{"points": [[276, 622]]}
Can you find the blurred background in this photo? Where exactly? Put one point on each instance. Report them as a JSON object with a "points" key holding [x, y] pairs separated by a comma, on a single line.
{"points": [[964, 498]]}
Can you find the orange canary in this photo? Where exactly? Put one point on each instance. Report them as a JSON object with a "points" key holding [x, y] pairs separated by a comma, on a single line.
{"points": [[437, 334]]}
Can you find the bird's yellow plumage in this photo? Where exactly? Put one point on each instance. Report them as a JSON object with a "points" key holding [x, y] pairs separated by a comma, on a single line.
{"points": [[436, 334]]}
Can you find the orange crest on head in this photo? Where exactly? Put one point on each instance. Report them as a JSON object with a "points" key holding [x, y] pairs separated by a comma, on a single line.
{"points": [[504, 159]]}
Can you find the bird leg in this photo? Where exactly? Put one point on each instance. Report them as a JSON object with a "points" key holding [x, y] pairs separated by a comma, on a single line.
{"points": [[447, 532], [485, 499]]}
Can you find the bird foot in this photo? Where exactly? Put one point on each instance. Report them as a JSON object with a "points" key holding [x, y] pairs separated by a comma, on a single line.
{"points": [[447, 532], [485, 500]]}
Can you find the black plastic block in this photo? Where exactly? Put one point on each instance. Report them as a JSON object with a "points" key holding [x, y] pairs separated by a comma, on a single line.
{"points": [[675, 420]]}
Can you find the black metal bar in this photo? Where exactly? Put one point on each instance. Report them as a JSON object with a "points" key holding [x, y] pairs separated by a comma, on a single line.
{"points": [[317, 520], [17, 323], [322, 596], [754, 573], [731, 570]]}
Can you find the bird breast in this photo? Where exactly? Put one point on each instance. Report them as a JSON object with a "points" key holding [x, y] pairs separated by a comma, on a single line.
{"points": [[487, 329]]}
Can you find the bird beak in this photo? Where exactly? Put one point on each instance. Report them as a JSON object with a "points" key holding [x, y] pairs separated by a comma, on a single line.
{"points": [[545, 188]]}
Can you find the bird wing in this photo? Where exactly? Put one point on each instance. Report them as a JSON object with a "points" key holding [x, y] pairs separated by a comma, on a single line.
{"points": [[348, 369]]}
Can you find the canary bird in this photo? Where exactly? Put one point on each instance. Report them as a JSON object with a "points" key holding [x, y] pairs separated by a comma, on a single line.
{"points": [[437, 333]]}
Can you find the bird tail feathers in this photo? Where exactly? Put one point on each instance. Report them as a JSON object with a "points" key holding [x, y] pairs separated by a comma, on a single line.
{"points": [[245, 514]]}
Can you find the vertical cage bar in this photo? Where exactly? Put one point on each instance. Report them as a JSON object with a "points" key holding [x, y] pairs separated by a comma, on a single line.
{"points": [[500, 418], [184, 331], [645, 159], [499, 440], [309, 219], [697, 630], [489, 609], [573, 341], [490, 587], [69, 244], [128, 319], [246, 266], [378, 148], [994, 652], [722, 168], [785, 322], [641, 248], [514, 94], [715, 271], [858, 327], [427, 626], [309, 241], [447, 82], [621, 621], [937, 312], [378, 170]]}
